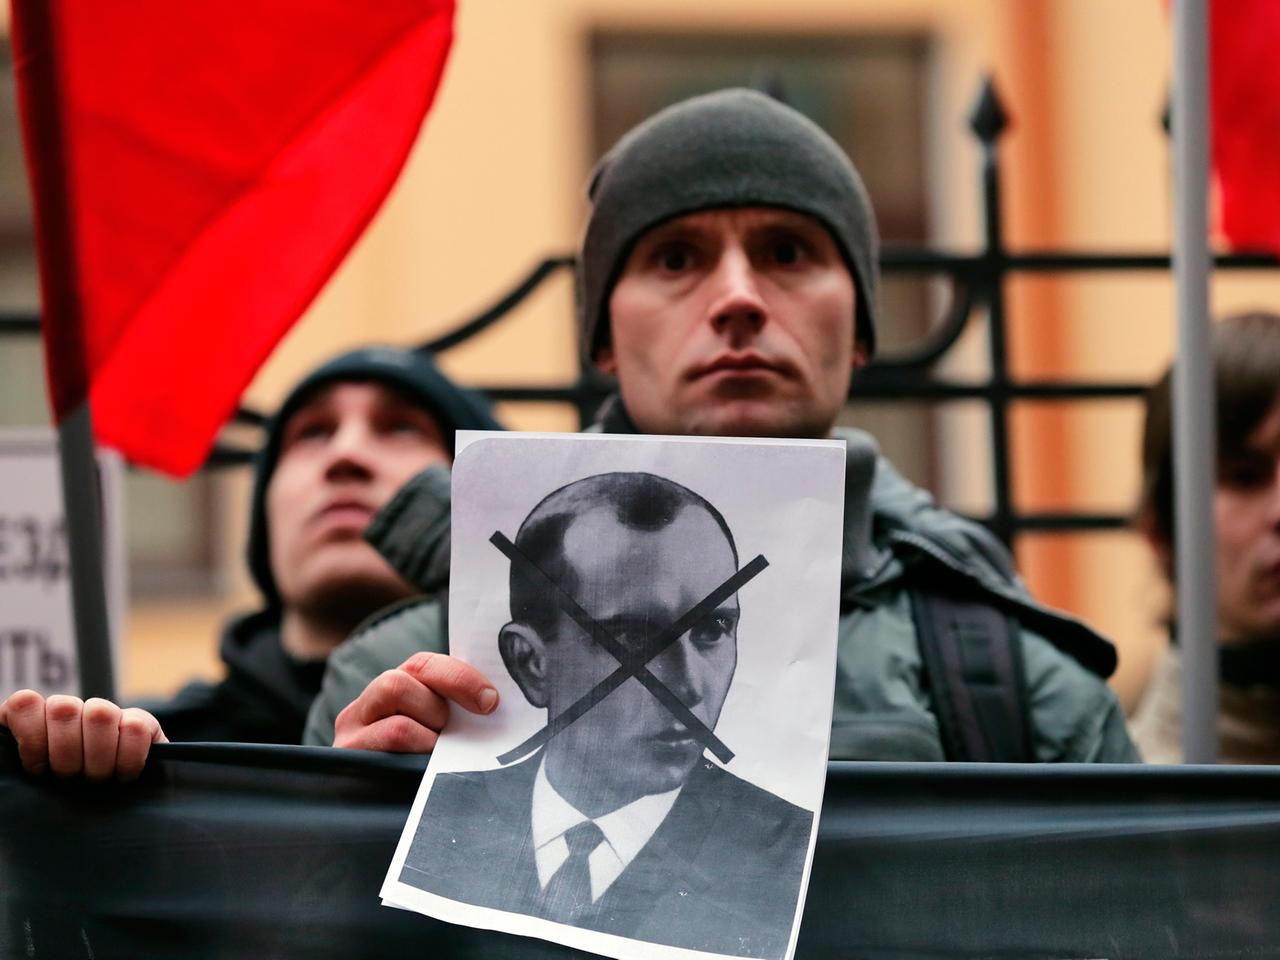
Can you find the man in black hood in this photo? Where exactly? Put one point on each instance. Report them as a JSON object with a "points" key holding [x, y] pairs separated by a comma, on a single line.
{"points": [[346, 438]]}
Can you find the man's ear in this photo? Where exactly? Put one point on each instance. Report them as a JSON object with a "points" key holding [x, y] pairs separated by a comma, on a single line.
{"points": [[524, 654], [605, 361]]}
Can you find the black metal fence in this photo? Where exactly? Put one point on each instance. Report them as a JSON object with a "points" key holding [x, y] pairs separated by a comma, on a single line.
{"points": [[977, 283]]}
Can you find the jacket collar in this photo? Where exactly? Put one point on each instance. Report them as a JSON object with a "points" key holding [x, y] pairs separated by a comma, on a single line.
{"points": [[258, 664], [1255, 663]]}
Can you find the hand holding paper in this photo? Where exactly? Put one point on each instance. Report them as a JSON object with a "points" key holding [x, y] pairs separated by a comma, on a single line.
{"points": [[404, 710]]}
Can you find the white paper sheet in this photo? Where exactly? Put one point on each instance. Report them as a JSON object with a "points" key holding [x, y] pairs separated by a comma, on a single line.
{"points": [[709, 854]]}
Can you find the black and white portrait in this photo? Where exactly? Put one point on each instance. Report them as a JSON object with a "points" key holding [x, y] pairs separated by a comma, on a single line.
{"points": [[623, 809]]}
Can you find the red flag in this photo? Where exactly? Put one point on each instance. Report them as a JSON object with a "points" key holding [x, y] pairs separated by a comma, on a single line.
{"points": [[199, 170], [1245, 81]]}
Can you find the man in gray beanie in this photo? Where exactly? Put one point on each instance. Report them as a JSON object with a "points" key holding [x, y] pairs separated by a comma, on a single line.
{"points": [[345, 439], [728, 279], [735, 148]]}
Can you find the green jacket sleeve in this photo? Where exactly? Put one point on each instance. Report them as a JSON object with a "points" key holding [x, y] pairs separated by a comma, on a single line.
{"points": [[1075, 718], [383, 643]]}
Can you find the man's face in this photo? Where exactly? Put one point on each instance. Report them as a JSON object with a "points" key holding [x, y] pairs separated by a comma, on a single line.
{"points": [[636, 583], [1246, 506], [343, 454], [735, 322]]}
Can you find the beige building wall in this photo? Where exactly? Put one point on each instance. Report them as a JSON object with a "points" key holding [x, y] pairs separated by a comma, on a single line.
{"points": [[1102, 72], [496, 182]]}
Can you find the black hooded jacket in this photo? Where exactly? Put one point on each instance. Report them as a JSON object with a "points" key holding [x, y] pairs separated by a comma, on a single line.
{"points": [[263, 698]]}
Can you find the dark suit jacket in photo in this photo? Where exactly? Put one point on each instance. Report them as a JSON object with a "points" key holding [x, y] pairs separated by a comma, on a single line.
{"points": [[721, 873]]}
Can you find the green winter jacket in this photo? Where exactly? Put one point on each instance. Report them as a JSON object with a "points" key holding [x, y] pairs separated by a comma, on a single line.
{"points": [[894, 532]]}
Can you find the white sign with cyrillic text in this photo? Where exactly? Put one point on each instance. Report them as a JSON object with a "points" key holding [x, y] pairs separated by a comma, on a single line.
{"points": [[37, 634]]}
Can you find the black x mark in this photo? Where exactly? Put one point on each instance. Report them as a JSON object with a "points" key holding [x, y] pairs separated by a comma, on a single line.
{"points": [[631, 663]]}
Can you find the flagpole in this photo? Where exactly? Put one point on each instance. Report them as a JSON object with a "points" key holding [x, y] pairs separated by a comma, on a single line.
{"points": [[1194, 440], [82, 502], [35, 59]]}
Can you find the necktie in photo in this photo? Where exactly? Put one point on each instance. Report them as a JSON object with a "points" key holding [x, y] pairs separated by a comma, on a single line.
{"points": [[568, 894]]}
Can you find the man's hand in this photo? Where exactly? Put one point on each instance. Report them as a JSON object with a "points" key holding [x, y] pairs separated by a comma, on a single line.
{"points": [[69, 736], [404, 710]]}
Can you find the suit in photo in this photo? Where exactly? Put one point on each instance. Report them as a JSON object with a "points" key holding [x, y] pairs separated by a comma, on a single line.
{"points": [[721, 873]]}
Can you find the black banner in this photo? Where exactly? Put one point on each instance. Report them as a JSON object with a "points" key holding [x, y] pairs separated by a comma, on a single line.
{"points": [[259, 851]]}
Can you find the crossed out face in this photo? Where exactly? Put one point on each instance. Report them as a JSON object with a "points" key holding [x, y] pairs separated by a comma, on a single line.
{"points": [[734, 322], [635, 583], [343, 454], [1246, 508]]}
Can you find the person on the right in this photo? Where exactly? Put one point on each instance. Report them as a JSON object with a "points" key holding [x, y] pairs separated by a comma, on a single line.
{"points": [[727, 278], [1246, 512]]}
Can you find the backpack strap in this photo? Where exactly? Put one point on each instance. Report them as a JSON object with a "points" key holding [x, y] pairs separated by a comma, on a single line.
{"points": [[973, 667]]}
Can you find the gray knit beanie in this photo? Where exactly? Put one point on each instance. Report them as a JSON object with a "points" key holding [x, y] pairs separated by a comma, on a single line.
{"points": [[732, 148]]}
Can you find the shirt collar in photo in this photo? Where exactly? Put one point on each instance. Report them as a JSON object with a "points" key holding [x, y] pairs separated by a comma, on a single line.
{"points": [[626, 831]]}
